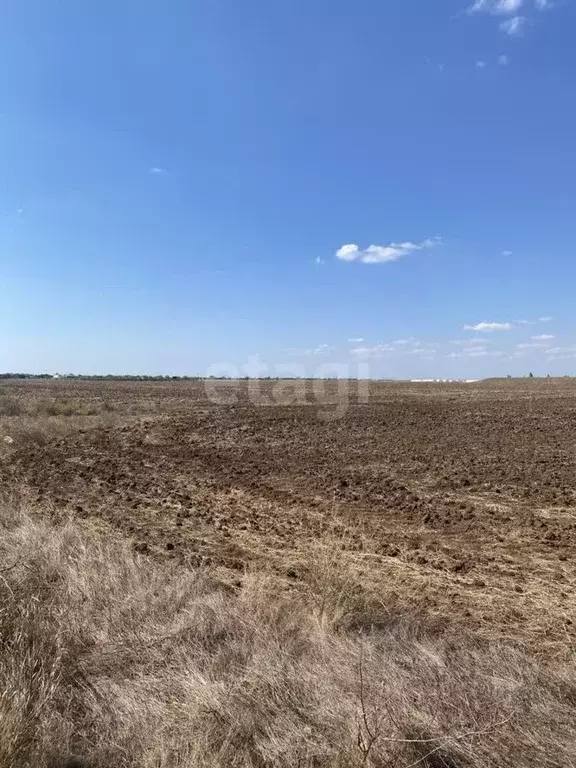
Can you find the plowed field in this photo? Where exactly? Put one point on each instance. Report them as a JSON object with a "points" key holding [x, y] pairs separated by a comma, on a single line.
{"points": [[458, 495]]}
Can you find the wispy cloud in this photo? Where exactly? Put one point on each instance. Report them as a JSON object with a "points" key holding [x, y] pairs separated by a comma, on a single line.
{"points": [[157, 171], [378, 350], [513, 26], [545, 319], [381, 254], [561, 353], [485, 327], [473, 340], [320, 260], [541, 345], [401, 347], [480, 64], [509, 6], [497, 7], [321, 349], [542, 337], [506, 253], [356, 341], [518, 14], [481, 352], [503, 61]]}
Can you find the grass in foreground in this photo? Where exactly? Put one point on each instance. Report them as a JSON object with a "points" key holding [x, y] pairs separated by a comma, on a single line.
{"points": [[111, 659]]}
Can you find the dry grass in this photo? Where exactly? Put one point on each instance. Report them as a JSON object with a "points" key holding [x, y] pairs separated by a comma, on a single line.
{"points": [[117, 660], [37, 420]]}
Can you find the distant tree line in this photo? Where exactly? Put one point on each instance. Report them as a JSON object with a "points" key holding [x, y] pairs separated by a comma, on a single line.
{"points": [[97, 377]]}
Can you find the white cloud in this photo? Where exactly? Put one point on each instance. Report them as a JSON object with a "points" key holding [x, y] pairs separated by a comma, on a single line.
{"points": [[320, 260], [489, 327], [321, 349], [503, 61], [428, 350], [473, 340], [401, 342], [475, 352], [453, 354], [348, 252], [506, 253], [545, 319], [480, 64], [376, 351], [157, 171], [542, 5], [481, 352], [561, 353], [499, 7], [356, 341], [509, 6], [513, 26], [540, 341], [380, 254]]}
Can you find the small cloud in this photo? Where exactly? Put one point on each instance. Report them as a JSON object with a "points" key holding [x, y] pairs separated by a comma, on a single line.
{"points": [[561, 353], [20, 211], [157, 171], [356, 341], [503, 61], [489, 327], [513, 26], [506, 253], [453, 354], [381, 254], [545, 319], [320, 260], [542, 337], [376, 351], [321, 349], [530, 345], [543, 5], [473, 340], [509, 6], [480, 64], [496, 7]]}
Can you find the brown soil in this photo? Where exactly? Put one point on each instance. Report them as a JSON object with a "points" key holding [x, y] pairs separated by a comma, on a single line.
{"points": [[468, 489]]}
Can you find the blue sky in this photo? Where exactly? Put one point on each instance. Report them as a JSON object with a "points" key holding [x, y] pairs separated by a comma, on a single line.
{"points": [[184, 184]]}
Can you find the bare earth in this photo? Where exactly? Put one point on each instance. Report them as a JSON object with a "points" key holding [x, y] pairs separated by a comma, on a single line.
{"points": [[458, 500]]}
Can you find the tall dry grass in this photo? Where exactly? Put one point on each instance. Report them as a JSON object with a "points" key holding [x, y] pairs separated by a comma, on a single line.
{"points": [[37, 420], [110, 659]]}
